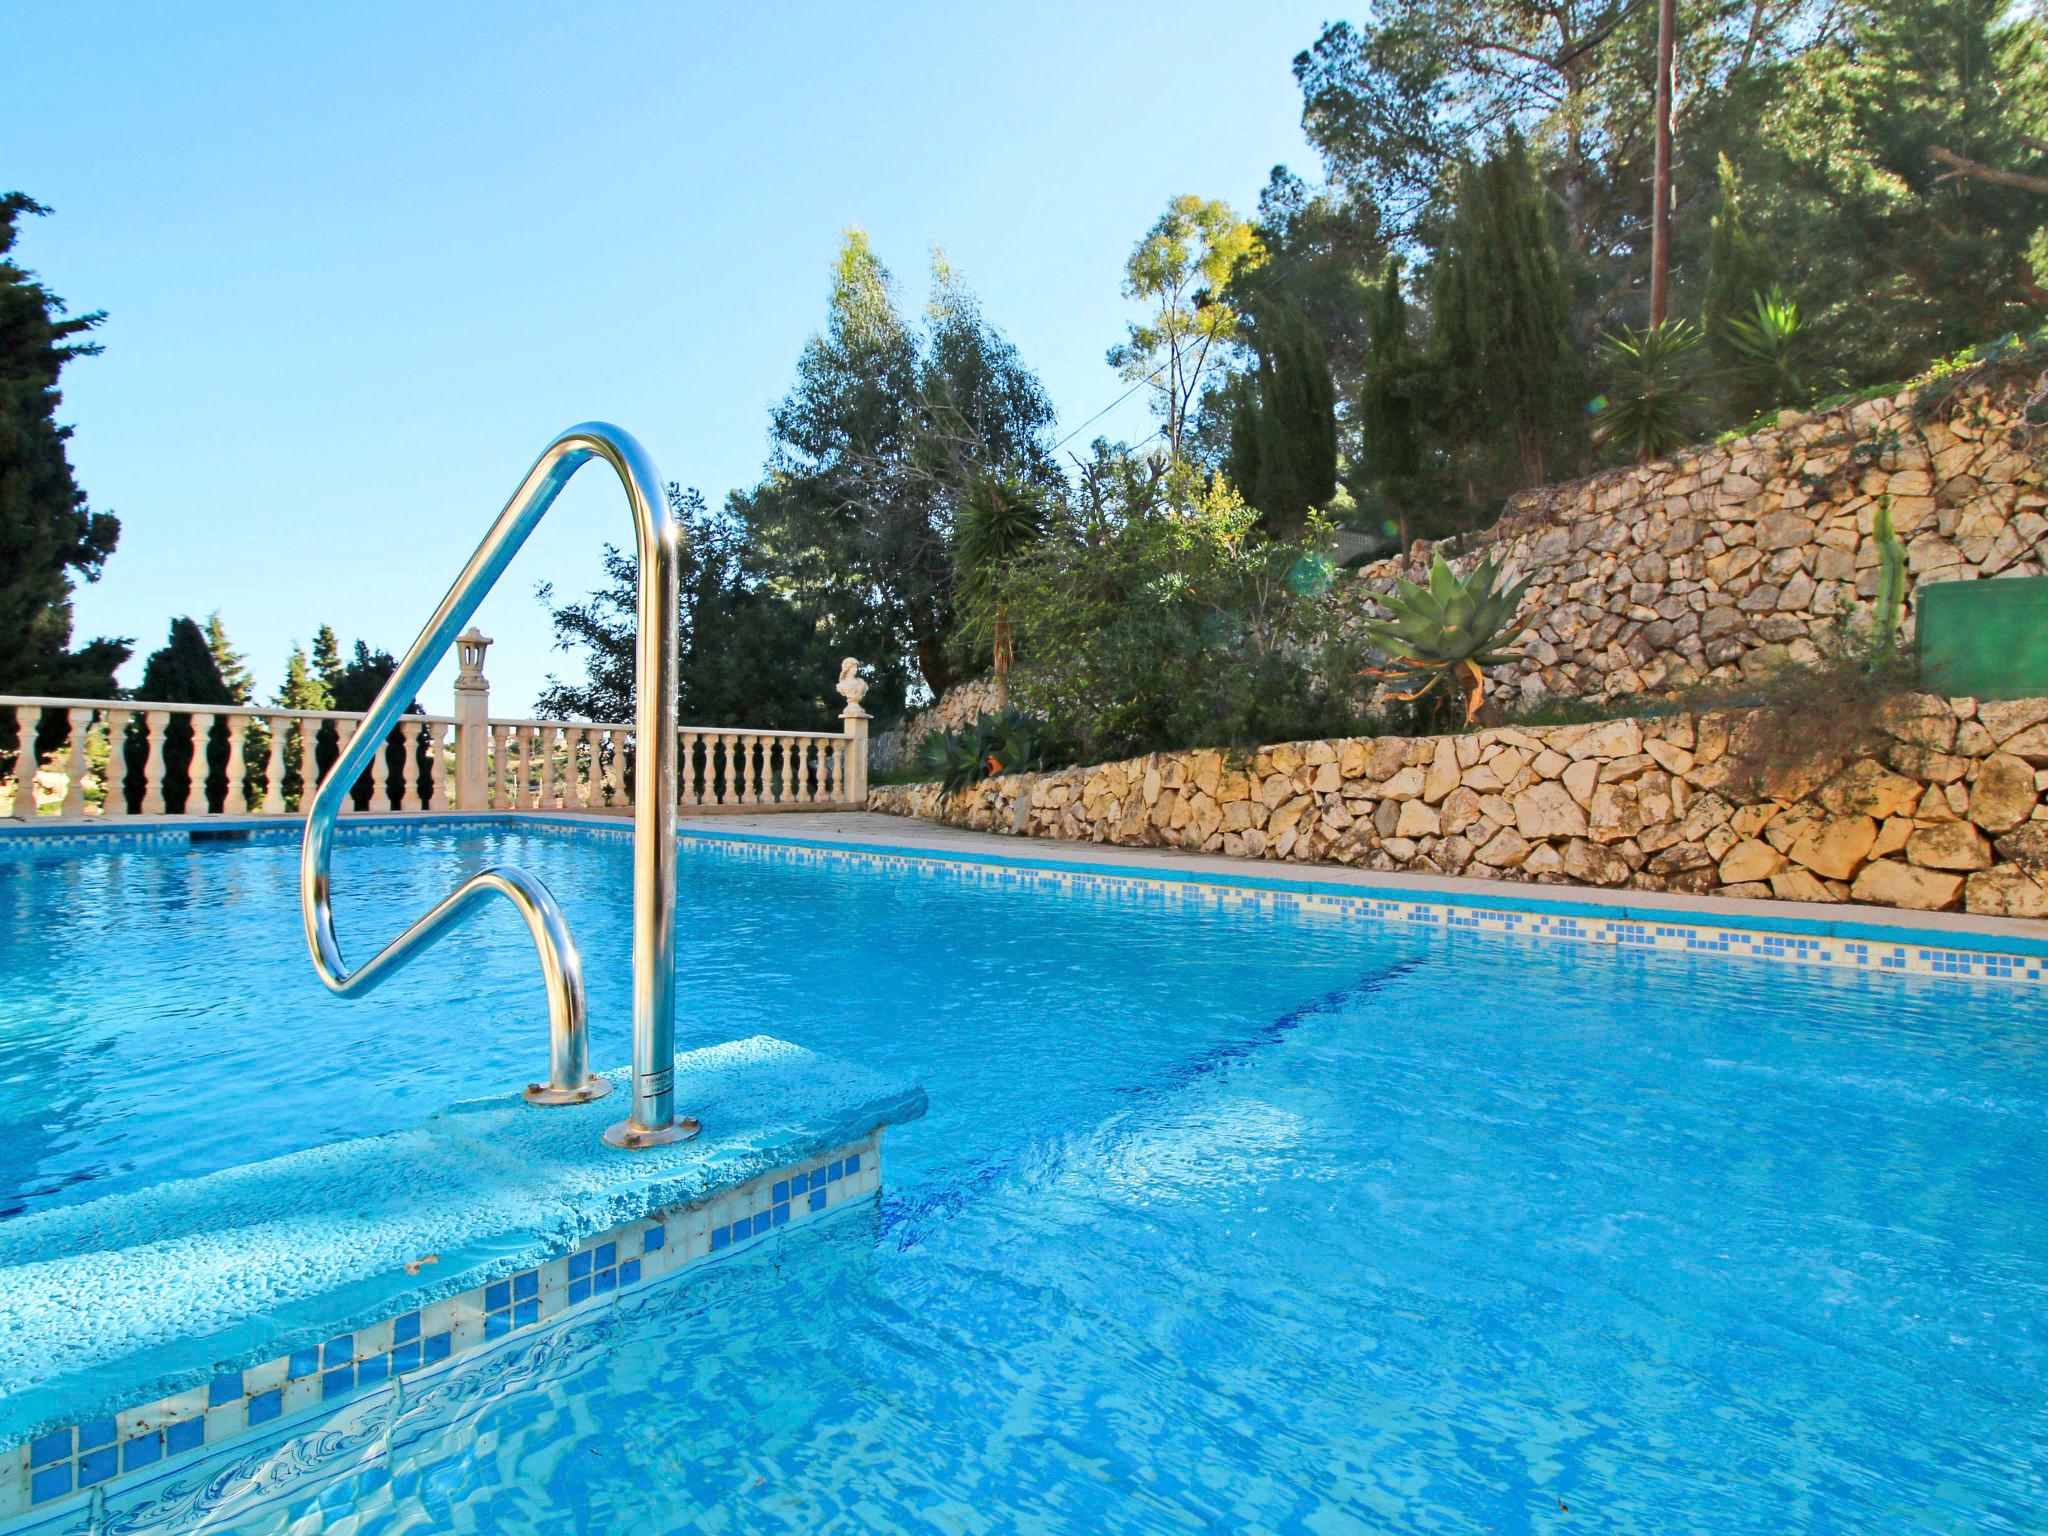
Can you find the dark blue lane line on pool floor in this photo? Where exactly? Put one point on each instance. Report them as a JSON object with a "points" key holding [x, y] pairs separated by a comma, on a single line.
{"points": [[904, 1215]]}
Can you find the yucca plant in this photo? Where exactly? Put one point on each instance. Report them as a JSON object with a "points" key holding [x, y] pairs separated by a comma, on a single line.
{"points": [[1649, 411], [1441, 634], [1771, 353], [1003, 516]]}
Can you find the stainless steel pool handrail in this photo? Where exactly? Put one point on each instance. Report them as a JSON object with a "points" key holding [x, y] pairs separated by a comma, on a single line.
{"points": [[657, 539]]}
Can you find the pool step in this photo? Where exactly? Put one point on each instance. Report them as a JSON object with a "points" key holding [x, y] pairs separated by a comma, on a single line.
{"points": [[137, 1330]]}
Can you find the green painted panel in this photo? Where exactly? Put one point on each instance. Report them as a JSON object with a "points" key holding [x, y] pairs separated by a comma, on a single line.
{"points": [[1984, 639]]}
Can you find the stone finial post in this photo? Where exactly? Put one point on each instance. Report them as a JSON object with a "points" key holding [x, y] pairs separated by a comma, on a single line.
{"points": [[852, 687], [472, 722]]}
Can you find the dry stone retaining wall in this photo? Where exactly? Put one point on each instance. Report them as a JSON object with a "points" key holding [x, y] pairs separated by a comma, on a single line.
{"points": [[1652, 578], [893, 748], [1945, 811]]}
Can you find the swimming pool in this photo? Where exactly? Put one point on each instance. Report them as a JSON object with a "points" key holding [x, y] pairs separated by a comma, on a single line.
{"points": [[1227, 1215]]}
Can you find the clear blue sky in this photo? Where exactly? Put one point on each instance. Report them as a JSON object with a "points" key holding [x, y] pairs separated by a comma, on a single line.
{"points": [[360, 261]]}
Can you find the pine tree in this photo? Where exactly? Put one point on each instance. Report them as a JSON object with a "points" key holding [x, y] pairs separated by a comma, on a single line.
{"points": [[303, 687], [232, 664], [47, 532], [326, 657], [1503, 313]]}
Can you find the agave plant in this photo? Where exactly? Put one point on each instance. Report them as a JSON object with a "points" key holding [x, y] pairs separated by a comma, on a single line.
{"points": [[1650, 410], [1441, 634], [1006, 741]]}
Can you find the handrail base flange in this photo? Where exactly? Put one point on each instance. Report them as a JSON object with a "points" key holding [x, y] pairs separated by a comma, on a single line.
{"points": [[633, 1137], [592, 1087]]}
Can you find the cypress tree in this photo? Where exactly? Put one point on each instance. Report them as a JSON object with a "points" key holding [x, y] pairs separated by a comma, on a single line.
{"points": [[1736, 269], [1297, 424], [1390, 404], [47, 533], [181, 671], [1503, 312], [1282, 455]]}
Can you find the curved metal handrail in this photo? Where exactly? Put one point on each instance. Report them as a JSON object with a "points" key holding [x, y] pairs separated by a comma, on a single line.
{"points": [[657, 541]]}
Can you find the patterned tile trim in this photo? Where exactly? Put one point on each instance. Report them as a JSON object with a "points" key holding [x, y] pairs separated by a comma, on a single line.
{"points": [[1164, 888], [71, 1462]]}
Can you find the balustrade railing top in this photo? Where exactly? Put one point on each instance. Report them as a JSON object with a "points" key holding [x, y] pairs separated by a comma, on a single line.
{"points": [[74, 759]]}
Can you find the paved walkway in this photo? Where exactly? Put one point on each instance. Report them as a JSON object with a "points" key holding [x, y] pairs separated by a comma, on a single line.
{"points": [[873, 829]]}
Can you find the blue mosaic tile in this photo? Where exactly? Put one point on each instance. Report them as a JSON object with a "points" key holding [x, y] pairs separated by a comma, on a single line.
{"points": [[406, 1327], [225, 1388], [374, 1368], [142, 1451], [607, 1255], [405, 1357], [50, 1482], [526, 1283], [525, 1313], [721, 1237], [334, 1383], [265, 1406], [497, 1296], [304, 1362], [338, 1351], [655, 1237], [97, 1432], [579, 1264], [629, 1272], [437, 1347], [817, 1199], [186, 1435], [54, 1446], [97, 1466], [579, 1290], [497, 1325]]}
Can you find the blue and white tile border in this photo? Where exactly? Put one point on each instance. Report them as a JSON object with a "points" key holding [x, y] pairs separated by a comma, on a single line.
{"points": [[53, 1476], [1546, 914]]}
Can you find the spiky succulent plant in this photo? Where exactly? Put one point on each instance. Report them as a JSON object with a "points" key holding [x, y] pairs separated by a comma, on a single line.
{"points": [[1441, 634]]}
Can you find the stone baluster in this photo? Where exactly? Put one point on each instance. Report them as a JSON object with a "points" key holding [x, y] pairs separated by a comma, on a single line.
{"points": [[726, 767], [778, 770], [309, 761], [273, 767], [380, 772], [750, 781], [159, 722], [613, 766], [344, 732], [199, 775], [839, 770], [443, 754], [74, 766], [114, 802], [28, 721], [547, 738], [409, 774], [576, 794], [236, 794], [686, 771], [804, 794]]}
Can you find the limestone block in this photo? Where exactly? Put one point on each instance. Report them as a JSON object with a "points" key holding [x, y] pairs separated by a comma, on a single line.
{"points": [[1750, 860], [2005, 892], [1547, 810], [2003, 795], [1949, 845], [1417, 819], [1891, 883], [1834, 846]]}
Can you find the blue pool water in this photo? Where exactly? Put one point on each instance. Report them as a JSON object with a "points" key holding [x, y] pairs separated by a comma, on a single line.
{"points": [[1223, 1219]]}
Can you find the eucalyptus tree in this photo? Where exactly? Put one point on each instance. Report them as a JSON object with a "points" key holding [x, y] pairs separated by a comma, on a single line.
{"points": [[875, 446], [1179, 271]]}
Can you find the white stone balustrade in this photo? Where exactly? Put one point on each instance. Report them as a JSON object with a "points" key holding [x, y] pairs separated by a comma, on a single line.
{"points": [[80, 759]]}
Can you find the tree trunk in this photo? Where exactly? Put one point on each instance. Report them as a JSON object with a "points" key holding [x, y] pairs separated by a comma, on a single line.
{"points": [[1660, 180]]}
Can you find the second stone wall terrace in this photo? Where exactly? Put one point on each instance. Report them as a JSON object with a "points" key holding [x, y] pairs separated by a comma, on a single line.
{"points": [[1733, 557], [1945, 809]]}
